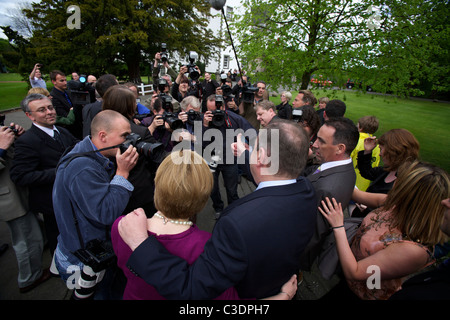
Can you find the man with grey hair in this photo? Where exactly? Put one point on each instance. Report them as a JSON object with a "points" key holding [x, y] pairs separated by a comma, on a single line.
{"points": [[37, 153]]}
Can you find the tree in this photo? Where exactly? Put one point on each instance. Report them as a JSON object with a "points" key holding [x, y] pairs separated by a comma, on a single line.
{"points": [[387, 44], [295, 39], [116, 33]]}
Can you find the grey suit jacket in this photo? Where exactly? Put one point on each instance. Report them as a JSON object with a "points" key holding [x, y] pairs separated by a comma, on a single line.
{"points": [[13, 199], [338, 183]]}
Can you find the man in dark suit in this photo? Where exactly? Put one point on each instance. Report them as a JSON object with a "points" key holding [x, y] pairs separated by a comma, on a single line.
{"points": [[90, 110], [334, 178], [256, 243], [37, 153], [62, 102]]}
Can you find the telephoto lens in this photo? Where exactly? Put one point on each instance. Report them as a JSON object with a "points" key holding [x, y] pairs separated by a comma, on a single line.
{"points": [[86, 283]]}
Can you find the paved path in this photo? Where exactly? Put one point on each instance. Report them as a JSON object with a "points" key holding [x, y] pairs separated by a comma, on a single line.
{"points": [[55, 289]]}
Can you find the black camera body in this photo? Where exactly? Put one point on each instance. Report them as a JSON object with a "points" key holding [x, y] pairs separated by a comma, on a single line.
{"points": [[192, 68], [164, 55], [161, 85], [248, 92], [218, 119], [219, 101], [193, 116], [2, 123], [98, 255], [227, 92], [172, 120], [167, 101], [81, 92], [145, 148]]}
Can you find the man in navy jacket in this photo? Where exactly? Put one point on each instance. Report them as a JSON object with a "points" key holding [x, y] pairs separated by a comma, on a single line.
{"points": [[258, 240]]}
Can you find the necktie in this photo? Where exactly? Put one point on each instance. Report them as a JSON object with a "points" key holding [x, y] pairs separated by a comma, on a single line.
{"points": [[57, 137], [317, 171], [67, 98]]}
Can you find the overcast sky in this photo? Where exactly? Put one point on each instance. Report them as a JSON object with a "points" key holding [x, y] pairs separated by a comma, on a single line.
{"points": [[6, 5]]}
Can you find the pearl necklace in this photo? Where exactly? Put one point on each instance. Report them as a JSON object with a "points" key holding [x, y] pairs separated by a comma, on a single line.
{"points": [[165, 220]]}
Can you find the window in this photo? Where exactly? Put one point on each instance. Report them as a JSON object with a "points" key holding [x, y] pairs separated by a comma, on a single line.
{"points": [[229, 12], [226, 62]]}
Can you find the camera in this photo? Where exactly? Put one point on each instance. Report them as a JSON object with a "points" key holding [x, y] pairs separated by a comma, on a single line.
{"points": [[167, 101], [218, 119], [172, 120], [219, 101], [98, 255], [215, 159], [145, 148], [248, 92], [81, 92], [297, 115], [192, 70], [164, 55], [162, 84], [193, 116], [2, 123]]}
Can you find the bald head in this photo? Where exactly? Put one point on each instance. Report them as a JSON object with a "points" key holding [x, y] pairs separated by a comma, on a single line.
{"points": [[105, 121]]}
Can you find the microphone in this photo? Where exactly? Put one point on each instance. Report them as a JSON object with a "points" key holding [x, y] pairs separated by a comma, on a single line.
{"points": [[217, 4]]}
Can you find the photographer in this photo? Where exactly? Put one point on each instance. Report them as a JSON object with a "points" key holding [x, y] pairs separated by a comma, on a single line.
{"points": [[231, 101], [209, 87], [162, 124], [181, 85], [36, 80], [190, 114], [26, 236], [121, 99], [162, 68], [90, 192], [223, 121], [162, 90]]}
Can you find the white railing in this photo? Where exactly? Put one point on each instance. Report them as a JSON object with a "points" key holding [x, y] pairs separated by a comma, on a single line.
{"points": [[143, 89]]}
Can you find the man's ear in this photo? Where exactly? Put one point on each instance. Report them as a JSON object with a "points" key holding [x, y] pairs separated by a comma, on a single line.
{"points": [[341, 148], [30, 116], [263, 159], [102, 136]]}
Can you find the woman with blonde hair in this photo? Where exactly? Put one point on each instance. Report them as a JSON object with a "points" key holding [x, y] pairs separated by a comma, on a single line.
{"points": [[183, 184], [284, 109], [397, 239]]}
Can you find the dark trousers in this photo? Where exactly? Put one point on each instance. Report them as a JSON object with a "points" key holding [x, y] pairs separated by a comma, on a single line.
{"points": [[230, 179]]}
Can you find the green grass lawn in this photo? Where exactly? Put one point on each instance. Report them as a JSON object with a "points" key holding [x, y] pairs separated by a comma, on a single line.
{"points": [[427, 120]]}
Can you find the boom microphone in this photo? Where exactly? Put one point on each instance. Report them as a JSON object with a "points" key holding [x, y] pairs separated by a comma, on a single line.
{"points": [[217, 4]]}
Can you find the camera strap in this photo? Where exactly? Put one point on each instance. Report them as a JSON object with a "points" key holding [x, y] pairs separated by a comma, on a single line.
{"points": [[227, 121]]}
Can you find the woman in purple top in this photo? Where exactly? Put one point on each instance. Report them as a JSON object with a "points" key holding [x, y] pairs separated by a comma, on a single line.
{"points": [[183, 184]]}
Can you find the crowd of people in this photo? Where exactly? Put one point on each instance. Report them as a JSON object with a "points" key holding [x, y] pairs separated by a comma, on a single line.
{"points": [[118, 184]]}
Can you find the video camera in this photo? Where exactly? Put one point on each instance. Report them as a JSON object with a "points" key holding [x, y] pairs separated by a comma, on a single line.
{"points": [[248, 92], [80, 91], [147, 149]]}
